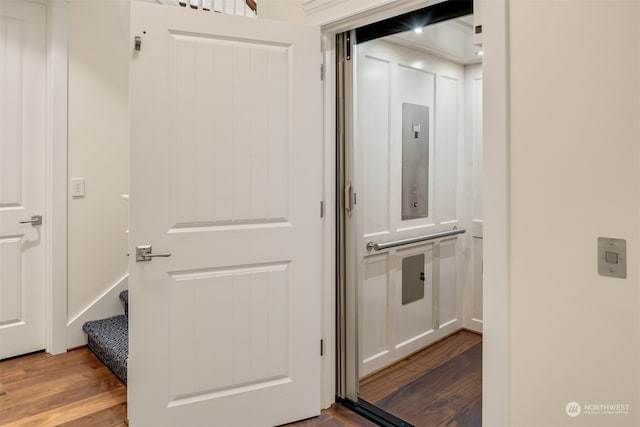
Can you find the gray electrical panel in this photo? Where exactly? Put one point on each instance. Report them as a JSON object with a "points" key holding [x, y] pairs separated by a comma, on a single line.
{"points": [[412, 278], [415, 161]]}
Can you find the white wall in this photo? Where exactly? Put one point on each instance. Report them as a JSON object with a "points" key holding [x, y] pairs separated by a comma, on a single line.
{"points": [[281, 10], [574, 176], [98, 147]]}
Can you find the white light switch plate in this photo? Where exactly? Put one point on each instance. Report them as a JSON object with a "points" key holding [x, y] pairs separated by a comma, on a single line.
{"points": [[77, 187]]}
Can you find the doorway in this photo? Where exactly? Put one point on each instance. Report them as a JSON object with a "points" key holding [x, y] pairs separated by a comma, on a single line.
{"points": [[412, 229], [33, 176]]}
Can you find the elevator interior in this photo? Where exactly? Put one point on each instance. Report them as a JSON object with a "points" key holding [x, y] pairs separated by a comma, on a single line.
{"points": [[417, 174]]}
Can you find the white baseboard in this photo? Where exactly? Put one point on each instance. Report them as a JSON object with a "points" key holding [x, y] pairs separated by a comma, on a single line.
{"points": [[474, 325], [106, 305]]}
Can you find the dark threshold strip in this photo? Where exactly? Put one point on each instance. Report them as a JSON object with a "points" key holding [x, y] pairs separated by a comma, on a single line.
{"points": [[373, 413]]}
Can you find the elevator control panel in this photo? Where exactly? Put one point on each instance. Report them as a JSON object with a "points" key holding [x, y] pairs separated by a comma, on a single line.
{"points": [[612, 257], [415, 161]]}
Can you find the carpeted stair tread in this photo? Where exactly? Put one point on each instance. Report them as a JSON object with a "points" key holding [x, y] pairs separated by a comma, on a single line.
{"points": [[109, 340], [124, 297]]}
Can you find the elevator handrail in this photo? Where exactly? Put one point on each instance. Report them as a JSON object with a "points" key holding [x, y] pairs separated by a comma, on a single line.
{"points": [[426, 237]]}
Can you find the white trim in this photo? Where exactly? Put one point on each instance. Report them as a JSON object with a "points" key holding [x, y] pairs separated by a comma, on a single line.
{"points": [[328, 372], [56, 158], [337, 16], [496, 361], [106, 305]]}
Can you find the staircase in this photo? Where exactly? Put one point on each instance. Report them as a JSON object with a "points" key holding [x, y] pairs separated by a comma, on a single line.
{"points": [[109, 339]]}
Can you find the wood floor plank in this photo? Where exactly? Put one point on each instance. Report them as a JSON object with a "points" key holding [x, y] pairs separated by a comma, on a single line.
{"points": [[73, 411], [469, 416], [57, 396], [335, 416], [110, 417], [46, 384], [348, 417], [35, 364]]}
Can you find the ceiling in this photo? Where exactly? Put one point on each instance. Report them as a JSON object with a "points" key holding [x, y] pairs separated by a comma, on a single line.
{"points": [[452, 40]]}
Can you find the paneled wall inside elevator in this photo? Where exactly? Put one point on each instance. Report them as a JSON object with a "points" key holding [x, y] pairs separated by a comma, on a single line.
{"points": [[391, 79]]}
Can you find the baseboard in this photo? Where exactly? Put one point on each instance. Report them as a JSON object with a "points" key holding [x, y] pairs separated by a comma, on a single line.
{"points": [[106, 305], [474, 325]]}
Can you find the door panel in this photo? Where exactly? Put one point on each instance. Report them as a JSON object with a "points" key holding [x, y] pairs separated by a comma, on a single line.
{"points": [[23, 59], [226, 176], [448, 283], [236, 310], [245, 103], [375, 339]]}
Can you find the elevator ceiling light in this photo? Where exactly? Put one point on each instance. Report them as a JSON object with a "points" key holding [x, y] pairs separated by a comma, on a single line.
{"points": [[480, 53], [417, 30]]}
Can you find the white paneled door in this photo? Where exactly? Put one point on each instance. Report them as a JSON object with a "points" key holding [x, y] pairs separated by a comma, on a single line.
{"points": [[23, 62], [226, 176]]}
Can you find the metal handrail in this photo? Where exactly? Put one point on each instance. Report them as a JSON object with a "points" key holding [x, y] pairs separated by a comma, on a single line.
{"points": [[394, 243]]}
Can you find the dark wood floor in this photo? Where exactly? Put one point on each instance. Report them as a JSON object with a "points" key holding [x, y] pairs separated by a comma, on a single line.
{"points": [[440, 386]]}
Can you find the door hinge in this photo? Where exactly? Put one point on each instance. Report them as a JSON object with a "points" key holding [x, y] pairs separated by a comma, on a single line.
{"points": [[137, 42], [322, 209], [321, 71], [321, 347], [348, 49]]}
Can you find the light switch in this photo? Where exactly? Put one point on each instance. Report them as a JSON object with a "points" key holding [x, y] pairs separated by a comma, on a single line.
{"points": [[77, 187], [612, 257]]}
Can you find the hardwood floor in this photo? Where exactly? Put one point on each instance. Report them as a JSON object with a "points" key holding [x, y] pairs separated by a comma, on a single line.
{"points": [[335, 416], [72, 390], [76, 390], [439, 386]]}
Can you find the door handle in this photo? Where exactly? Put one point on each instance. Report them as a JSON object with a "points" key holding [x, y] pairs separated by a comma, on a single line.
{"points": [[35, 220], [143, 253], [348, 199]]}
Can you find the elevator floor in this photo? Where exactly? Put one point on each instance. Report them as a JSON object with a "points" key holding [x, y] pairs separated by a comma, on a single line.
{"points": [[438, 386]]}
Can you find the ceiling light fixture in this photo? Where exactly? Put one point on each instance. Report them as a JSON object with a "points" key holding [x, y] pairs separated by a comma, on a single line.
{"points": [[417, 30], [479, 52]]}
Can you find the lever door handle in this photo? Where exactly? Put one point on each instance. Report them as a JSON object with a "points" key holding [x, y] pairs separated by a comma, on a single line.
{"points": [[35, 220], [143, 253]]}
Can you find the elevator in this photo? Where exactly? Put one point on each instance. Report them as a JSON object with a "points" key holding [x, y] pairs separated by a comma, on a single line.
{"points": [[412, 161]]}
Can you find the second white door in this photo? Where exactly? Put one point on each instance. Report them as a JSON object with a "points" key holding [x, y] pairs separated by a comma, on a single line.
{"points": [[23, 85]]}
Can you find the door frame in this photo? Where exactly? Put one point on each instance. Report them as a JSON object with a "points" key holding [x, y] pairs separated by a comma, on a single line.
{"points": [[56, 176], [496, 190]]}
